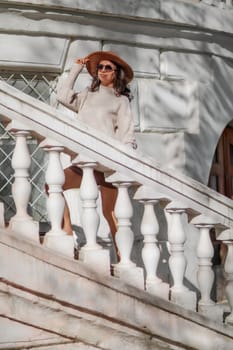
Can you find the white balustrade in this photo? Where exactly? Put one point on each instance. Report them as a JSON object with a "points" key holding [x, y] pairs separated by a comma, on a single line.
{"points": [[177, 261], [56, 238], [97, 257], [150, 251], [22, 222], [92, 253]]}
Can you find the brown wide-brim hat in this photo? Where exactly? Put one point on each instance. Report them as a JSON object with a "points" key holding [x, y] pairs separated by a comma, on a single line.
{"points": [[95, 58]]}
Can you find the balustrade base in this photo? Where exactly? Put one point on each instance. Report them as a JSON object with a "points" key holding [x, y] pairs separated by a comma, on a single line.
{"points": [[133, 275], [27, 228], [214, 311], [159, 289], [184, 298], [229, 320], [63, 244], [97, 259]]}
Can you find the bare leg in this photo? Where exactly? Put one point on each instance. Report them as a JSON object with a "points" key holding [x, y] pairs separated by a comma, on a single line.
{"points": [[66, 221], [72, 180], [109, 196]]}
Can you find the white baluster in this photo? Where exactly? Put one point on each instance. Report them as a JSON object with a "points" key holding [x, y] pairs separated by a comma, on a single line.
{"points": [[91, 253], [205, 274], [124, 236], [56, 238], [229, 3], [21, 188], [177, 238], [2, 220], [177, 261], [205, 253], [228, 266], [150, 250], [22, 222], [227, 238], [208, 2], [89, 195], [126, 268]]}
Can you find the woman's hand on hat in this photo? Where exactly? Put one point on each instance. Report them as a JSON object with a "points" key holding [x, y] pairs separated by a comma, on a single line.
{"points": [[82, 61]]}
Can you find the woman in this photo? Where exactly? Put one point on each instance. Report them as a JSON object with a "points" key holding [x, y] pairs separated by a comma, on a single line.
{"points": [[105, 107]]}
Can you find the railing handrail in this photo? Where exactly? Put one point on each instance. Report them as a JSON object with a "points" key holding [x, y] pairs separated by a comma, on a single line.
{"points": [[46, 121]]}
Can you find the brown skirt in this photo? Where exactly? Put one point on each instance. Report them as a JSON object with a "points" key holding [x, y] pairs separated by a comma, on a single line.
{"points": [[72, 181]]}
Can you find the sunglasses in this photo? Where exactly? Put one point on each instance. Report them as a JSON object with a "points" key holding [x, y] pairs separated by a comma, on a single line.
{"points": [[106, 67]]}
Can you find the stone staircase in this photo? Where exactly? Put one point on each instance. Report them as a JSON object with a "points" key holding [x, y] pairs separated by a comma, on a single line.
{"points": [[49, 300], [53, 302]]}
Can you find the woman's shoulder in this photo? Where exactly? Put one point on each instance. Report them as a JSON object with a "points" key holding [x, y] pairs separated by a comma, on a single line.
{"points": [[124, 99], [84, 92]]}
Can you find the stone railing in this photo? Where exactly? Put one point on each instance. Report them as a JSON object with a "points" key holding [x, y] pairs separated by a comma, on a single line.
{"points": [[186, 204]]}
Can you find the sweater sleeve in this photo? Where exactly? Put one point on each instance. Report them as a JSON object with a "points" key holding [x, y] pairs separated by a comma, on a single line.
{"points": [[125, 128], [65, 92]]}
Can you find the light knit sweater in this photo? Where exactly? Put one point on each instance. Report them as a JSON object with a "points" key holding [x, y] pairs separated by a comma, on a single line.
{"points": [[101, 110]]}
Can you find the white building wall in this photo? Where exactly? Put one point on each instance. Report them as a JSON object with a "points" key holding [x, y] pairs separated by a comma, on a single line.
{"points": [[181, 53]]}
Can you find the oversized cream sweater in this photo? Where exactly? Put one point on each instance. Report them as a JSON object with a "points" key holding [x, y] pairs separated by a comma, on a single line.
{"points": [[101, 110]]}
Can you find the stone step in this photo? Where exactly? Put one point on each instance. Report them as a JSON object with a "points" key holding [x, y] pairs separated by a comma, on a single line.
{"points": [[85, 306], [63, 325]]}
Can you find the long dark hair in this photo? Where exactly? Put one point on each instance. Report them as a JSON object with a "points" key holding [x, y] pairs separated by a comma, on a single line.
{"points": [[120, 85]]}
